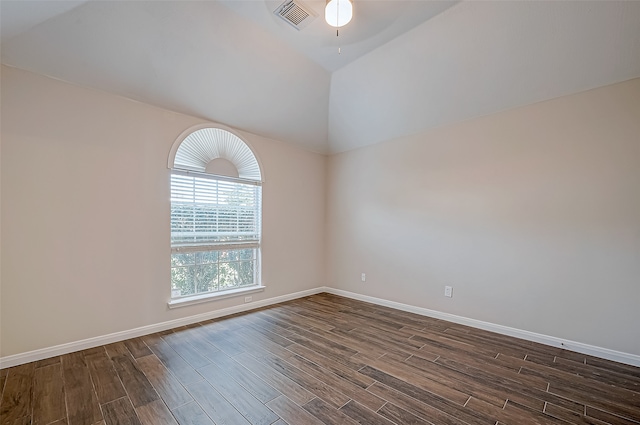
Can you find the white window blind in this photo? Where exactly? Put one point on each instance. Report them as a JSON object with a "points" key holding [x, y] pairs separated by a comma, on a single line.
{"points": [[210, 211]]}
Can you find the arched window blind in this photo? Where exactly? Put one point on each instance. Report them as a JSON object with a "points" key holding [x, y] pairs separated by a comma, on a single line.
{"points": [[216, 211], [201, 147]]}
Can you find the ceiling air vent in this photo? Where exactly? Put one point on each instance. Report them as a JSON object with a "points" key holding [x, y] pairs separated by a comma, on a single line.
{"points": [[295, 14]]}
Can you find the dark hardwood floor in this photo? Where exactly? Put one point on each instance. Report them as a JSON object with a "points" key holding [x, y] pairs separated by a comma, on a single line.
{"points": [[322, 359]]}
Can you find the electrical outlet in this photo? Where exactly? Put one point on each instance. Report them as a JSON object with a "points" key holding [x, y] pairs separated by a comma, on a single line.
{"points": [[247, 299], [363, 277], [448, 291]]}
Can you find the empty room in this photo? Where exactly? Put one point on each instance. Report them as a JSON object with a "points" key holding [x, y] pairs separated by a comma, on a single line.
{"points": [[297, 212]]}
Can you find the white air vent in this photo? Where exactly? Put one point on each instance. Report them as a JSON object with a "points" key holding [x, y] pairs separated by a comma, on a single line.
{"points": [[295, 14]]}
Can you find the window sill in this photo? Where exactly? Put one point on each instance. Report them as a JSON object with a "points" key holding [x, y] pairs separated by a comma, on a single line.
{"points": [[204, 298]]}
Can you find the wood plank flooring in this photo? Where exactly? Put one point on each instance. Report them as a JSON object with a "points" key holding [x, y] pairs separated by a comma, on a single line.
{"points": [[322, 359]]}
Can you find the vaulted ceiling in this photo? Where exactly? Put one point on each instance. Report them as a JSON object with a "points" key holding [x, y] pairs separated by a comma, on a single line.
{"points": [[404, 66]]}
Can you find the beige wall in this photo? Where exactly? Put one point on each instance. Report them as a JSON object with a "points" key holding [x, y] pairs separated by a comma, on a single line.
{"points": [[85, 214], [532, 215]]}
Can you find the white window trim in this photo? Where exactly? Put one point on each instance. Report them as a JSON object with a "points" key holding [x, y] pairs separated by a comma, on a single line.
{"points": [[215, 296], [217, 247], [190, 173], [189, 156]]}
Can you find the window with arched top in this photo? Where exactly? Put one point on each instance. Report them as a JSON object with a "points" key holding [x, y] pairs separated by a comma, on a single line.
{"points": [[216, 210]]}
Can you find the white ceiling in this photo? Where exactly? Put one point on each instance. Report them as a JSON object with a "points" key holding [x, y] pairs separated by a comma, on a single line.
{"points": [[19, 16], [377, 23], [404, 66]]}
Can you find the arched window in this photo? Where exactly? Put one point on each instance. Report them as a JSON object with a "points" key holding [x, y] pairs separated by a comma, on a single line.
{"points": [[216, 205]]}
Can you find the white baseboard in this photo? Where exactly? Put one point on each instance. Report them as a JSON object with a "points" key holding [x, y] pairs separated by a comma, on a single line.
{"points": [[592, 350], [605, 353], [57, 350]]}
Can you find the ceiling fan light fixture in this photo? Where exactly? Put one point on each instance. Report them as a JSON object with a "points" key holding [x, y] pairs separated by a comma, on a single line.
{"points": [[338, 13]]}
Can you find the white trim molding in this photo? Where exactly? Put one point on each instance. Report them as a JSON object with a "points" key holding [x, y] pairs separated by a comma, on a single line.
{"points": [[605, 353], [215, 296], [592, 350], [57, 350]]}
